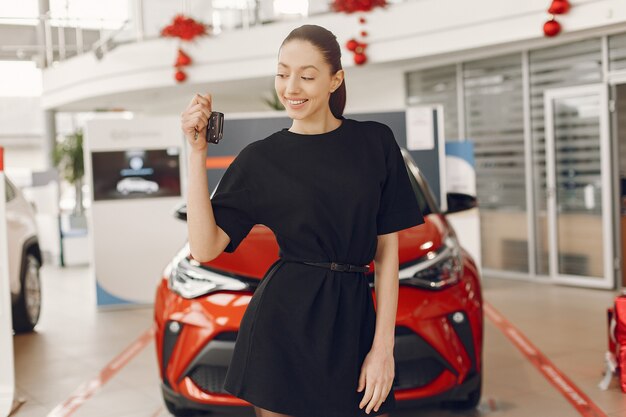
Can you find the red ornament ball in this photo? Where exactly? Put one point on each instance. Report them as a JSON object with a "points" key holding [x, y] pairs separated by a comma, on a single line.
{"points": [[360, 48], [559, 7], [183, 59], [551, 28], [180, 76], [352, 44], [359, 59]]}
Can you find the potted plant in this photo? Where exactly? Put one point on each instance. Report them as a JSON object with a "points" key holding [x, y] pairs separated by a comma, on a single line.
{"points": [[274, 102], [68, 158]]}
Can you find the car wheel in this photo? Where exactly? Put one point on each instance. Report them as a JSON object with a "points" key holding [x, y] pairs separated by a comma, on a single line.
{"points": [[28, 306]]}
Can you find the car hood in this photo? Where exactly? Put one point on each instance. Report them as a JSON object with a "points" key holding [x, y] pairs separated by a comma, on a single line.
{"points": [[259, 249]]}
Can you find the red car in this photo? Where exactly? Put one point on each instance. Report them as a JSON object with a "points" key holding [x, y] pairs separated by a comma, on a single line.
{"points": [[439, 325]]}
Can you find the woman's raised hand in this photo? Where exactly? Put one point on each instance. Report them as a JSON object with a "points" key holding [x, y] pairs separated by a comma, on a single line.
{"points": [[195, 119]]}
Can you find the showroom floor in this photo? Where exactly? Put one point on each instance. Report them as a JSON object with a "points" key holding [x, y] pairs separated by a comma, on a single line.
{"points": [[93, 363]]}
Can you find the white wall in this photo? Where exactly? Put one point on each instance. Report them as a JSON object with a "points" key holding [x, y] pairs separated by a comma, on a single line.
{"points": [[21, 134], [375, 88], [20, 117]]}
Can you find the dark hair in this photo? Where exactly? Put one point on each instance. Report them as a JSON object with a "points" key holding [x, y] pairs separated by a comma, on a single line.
{"points": [[327, 43]]}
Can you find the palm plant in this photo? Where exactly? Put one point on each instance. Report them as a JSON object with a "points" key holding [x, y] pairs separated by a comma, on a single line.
{"points": [[274, 103], [68, 158]]}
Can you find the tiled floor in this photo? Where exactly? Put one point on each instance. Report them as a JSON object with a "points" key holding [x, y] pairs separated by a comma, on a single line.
{"points": [[74, 341]]}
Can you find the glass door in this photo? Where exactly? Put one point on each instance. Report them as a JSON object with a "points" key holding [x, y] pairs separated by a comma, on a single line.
{"points": [[580, 236]]}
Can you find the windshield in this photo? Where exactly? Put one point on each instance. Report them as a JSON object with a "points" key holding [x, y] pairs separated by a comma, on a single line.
{"points": [[424, 196]]}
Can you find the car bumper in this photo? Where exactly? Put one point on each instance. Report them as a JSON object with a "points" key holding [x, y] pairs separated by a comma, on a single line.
{"points": [[437, 357]]}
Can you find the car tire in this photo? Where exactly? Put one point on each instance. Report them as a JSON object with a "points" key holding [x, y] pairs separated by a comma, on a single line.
{"points": [[28, 305]]}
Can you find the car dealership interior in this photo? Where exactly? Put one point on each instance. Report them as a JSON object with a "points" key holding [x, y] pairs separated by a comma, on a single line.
{"points": [[507, 117]]}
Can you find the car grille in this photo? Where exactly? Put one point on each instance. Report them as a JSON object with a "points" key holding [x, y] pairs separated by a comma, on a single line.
{"points": [[417, 363], [209, 378], [416, 373]]}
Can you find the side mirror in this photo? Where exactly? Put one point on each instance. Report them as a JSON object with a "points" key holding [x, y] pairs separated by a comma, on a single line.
{"points": [[460, 202], [181, 212]]}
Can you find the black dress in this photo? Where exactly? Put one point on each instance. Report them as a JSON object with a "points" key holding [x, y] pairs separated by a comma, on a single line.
{"points": [[306, 330]]}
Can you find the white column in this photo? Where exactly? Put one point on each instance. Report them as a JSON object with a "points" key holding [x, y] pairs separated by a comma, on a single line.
{"points": [[7, 369]]}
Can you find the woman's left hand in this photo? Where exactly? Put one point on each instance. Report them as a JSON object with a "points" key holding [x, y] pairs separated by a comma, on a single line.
{"points": [[377, 373]]}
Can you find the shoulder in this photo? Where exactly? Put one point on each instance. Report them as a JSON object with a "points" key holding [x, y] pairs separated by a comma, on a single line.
{"points": [[252, 155], [379, 135], [373, 128]]}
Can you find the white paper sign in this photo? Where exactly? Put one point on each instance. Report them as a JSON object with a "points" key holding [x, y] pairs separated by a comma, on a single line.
{"points": [[419, 128]]}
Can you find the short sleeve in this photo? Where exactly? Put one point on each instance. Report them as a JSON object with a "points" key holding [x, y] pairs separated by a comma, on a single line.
{"points": [[398, 208], [232, 206]]}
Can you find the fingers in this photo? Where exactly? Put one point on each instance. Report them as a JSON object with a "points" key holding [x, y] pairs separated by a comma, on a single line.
{"points": [[369, 391], [204, 101], [198, 107], [197, 98], [195, 120], [375, 395], [198, 104], [361, 382], [383, 396], [197, 117]]}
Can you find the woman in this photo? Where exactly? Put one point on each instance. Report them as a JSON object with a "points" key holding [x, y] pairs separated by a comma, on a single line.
{"points": [[335, 192]]}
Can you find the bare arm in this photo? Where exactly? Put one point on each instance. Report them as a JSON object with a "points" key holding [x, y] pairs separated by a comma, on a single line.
{"points": [[206, 239], [386, 265], [377, 371]]}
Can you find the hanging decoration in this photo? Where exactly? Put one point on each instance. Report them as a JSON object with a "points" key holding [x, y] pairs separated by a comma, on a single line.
{"points": [[559, 7], [552, 27], [359, 50], [351, 6], [183, 59], [185, 29], [180, 76]]}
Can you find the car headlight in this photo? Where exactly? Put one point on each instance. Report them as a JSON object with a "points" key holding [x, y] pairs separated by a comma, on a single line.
{"points": [[189, 279], [438, 269]]}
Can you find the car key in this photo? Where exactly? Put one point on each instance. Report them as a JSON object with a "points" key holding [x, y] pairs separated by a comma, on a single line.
{"points": [[215, 129]]}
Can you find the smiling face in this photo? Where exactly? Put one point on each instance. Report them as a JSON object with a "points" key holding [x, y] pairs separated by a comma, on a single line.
{"points": [[304, 81]]}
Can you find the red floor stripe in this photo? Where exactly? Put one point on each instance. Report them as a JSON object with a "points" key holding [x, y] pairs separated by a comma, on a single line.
{"points": [[89, 388], [581, 402]]}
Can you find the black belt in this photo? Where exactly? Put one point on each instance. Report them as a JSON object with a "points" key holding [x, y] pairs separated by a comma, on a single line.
{"points": [[335, 266]]}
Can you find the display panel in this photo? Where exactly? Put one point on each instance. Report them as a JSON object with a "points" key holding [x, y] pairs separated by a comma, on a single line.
{"points": [[136, 173]]}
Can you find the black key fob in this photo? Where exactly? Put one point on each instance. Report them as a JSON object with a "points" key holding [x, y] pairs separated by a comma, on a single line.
{"points": [[215, 129]]}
